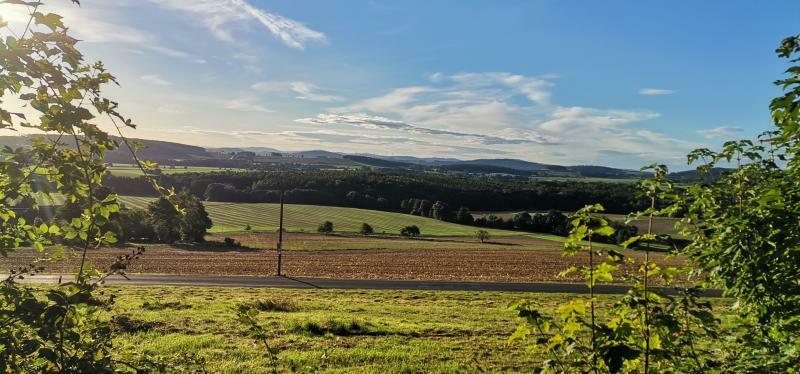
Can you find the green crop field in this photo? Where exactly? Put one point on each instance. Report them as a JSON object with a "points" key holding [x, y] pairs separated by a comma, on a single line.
{"points": [[233, 217], [123, 170]]}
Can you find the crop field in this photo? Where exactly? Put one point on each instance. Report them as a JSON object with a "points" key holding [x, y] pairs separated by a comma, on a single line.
{"points": [[233, 217], [504, 259], [123, 170]]}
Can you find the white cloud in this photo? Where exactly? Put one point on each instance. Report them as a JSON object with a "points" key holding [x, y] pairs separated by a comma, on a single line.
{"points": [[655, 91], [719, 132], [245, 105], [382, 123], [155, 79], [222, 17], [512, 113], [170, 109], [305, 90], [565, 119]]}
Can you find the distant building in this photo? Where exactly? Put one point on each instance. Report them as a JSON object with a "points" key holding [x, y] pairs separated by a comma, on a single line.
{"points": [[275, 154]]}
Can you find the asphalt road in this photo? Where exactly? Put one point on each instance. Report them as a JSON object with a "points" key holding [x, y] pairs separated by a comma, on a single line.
{"points": [[372, 284]]}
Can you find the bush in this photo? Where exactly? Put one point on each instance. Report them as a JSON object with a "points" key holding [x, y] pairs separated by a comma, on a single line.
{"points": [[325, 227], [366, 229], [410, 231], [232, 243]]}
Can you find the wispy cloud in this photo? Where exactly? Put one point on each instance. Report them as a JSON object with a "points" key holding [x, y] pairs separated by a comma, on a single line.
{"points": [[305, 90], [155, 79], [170, 109], [100, 22], [223, 17], [245, 105], [719, 132], [374, 123], [655, 91]]}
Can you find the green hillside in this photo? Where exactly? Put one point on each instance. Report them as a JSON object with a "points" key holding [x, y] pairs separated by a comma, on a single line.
{"points": [[230, 217]]}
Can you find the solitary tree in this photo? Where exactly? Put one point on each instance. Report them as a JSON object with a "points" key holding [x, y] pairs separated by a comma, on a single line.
{"points": [[410, 231], [325, 227], [366, 229], [482, 235]]}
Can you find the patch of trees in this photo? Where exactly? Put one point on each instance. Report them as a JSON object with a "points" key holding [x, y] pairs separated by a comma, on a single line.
{"points": [[385, 190], [553, 222], [160, 223]]}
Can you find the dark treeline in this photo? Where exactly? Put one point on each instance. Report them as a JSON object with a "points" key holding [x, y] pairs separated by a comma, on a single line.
{"points": [[386, 190]]}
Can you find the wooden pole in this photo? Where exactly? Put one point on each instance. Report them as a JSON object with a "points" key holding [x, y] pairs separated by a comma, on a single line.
{"points": [[280, 237]]}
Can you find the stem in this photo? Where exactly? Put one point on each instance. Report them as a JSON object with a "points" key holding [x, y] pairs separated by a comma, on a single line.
{"points": [[591, 301], [646, 290], [555, 357]]}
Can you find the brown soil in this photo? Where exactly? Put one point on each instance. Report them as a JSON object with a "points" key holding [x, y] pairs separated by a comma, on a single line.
{"points": [[482, 263]]}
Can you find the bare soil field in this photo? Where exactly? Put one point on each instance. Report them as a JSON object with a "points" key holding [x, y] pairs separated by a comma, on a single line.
{"points": [[513, 259]]}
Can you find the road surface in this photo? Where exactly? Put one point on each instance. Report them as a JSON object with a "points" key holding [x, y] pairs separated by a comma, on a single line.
{"points": [[372, 284]]}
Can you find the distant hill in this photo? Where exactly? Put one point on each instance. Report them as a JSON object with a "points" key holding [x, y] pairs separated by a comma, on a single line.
{"points": [[425, 161], [377, 162], [690, 176], [257, 150], [182, 154], [315, 154], [506, 163], [590, 171], [482, 169]]}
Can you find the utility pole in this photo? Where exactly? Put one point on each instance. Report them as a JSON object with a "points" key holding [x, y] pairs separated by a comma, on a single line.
{"points": [[280, 237]]}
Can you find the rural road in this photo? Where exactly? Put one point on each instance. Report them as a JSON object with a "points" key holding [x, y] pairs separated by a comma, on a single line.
{"points": [[372, 284]]}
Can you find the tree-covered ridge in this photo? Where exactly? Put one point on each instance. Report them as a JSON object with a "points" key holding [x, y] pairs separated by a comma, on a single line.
{"points": [[386, 190]]}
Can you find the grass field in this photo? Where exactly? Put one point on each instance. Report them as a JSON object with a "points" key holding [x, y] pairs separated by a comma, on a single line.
{"points": [[336, 331], [345, 331], [233, 217], [123, 170]]}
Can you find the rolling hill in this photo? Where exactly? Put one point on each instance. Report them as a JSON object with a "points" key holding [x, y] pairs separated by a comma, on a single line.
{"points": [[233, 217]]}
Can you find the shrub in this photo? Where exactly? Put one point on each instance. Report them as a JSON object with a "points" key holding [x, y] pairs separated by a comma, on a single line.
{"points": [[366, 229], [325, 227], [410, 231], [232, 243]]}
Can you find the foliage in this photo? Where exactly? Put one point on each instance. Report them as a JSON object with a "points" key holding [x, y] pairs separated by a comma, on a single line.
{"points": [[389, 190], [54, 91], [165, 220], [482, 235], [366, 229], [744, 235], [170, 225], [135, 225], [325, 227], [410, 231], [194, 221]]}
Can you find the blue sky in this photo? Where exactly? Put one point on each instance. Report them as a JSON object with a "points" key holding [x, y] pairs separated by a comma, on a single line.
{"points": [[617, 83]]}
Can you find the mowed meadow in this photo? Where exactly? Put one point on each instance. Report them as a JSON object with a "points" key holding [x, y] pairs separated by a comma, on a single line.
{"points": [[234, 217]]}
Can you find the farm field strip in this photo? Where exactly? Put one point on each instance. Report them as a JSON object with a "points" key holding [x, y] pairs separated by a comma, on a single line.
{"points": [[124, 170], [232, 217]]}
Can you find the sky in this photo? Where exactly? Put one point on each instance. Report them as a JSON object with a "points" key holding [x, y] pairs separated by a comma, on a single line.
{"points": [[614, 83]]}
